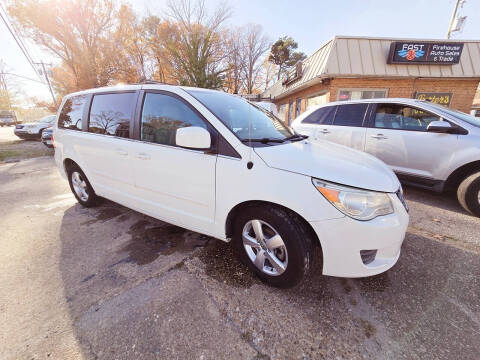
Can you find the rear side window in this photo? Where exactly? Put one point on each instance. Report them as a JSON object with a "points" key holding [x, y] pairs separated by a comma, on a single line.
{"points": [[162, 115], [110, 114], [72, 113], [350, 115], [322, 116]]}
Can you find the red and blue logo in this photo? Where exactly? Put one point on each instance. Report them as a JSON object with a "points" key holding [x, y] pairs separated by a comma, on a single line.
{"points": [[410, 54]]}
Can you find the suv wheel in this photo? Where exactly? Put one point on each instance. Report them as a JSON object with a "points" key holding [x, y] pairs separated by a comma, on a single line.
{"points": [[81, 187], [468, 194], [274, 244]]}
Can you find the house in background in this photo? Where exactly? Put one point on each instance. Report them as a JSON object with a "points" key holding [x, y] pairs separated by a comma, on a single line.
{"points": [[347, 67]]}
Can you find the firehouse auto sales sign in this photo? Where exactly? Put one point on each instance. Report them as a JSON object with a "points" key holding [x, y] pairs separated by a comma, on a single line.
{"points": [[425, 53]]}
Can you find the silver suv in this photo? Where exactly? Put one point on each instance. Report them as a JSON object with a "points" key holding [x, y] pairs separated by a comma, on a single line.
{"points": [[427, 145]]}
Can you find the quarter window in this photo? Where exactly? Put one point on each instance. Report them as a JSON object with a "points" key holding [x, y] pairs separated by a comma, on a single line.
{"points": [[162, 115], [350, 115], [110, 114], [401, 117], [72, 113], [322, 116]]}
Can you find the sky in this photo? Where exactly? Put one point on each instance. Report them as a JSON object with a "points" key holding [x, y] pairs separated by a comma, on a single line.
{"points": [[310, 22]]}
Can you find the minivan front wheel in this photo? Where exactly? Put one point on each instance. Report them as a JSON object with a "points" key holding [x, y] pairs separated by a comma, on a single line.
{"points": [[468, 194], [274, 244], [81, 188]]}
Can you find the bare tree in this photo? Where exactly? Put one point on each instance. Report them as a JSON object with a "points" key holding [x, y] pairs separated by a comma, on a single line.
{"points": [[255, 46], [197, 48], [236, 61]]}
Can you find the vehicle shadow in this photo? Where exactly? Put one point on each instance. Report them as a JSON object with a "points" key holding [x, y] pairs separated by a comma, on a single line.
{"points": [[116, 265], [446, 200]]}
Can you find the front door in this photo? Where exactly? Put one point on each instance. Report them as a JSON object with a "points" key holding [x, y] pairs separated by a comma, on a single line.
{"points": [[398, 136], [173, 183]]}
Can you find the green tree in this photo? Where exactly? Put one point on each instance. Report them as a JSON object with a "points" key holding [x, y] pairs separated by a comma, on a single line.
{"points": [[282, 54]]}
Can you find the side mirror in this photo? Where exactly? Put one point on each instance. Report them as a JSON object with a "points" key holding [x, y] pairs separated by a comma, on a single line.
{"points": [[439, 127], [193, 137]]}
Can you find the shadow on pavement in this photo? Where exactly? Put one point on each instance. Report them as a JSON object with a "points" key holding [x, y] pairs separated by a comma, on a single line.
{"points": [[140, 288]]}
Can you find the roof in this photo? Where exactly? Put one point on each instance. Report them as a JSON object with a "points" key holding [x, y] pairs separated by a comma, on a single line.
{"points": [[350, 56]]}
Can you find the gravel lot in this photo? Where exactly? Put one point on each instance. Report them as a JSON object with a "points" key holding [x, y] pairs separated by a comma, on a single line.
{"points": [[110, 283]]}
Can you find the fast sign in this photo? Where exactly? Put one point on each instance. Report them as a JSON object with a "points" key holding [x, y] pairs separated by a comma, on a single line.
{"points": [[424, 53]]}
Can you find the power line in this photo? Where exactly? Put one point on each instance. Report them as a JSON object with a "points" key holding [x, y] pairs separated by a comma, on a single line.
{"points": [[24, 51], [21, 76]]}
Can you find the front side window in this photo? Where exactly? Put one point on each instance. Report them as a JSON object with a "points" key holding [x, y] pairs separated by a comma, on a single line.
{"points": [[162, 115], [322, 116], [401, 117], [246, 120], [110, 114], [72, 112], [350, 115]]}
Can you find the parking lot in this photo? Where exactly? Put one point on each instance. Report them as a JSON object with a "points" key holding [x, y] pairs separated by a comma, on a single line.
{"points": [[111, 283]]}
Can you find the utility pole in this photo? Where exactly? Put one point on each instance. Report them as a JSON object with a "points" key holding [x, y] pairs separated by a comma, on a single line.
{"points": [[48, 81], [454, 16]]}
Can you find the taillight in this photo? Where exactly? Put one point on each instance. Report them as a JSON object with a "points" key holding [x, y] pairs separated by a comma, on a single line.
{"points": [[53, 141]]}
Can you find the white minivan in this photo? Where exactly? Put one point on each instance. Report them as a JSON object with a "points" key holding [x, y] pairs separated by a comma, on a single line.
{"points": [[219, 165]]}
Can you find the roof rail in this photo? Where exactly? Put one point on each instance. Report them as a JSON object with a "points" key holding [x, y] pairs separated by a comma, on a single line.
{"points": [[149, 81]]}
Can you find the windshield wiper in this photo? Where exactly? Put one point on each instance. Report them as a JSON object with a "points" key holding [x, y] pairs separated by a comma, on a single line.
{"points": [[264, 140], [297, 137]]}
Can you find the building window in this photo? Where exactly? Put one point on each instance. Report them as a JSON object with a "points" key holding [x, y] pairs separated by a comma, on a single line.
{"points": [[290, 112], [298, 106], [316, 100], [282, 112], [357, 94]]}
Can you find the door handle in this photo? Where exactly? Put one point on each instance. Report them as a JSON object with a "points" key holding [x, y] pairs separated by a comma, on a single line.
{"points": [[324, 131], [143, 156], [121, 152], [379, 137]]}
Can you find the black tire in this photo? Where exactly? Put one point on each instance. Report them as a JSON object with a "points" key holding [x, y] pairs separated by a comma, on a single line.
{"points": [[296, 238], [468, 194], [92, 199]]}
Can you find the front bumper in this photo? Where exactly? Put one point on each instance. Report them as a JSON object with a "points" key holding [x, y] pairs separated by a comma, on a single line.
{"points": [[26, 134], [342, 240]]}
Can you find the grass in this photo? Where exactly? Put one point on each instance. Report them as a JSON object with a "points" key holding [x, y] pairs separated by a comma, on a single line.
{"points": [[20, 149]]}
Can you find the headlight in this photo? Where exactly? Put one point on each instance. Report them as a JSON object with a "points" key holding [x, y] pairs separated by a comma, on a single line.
{"points": [[356, 203]]}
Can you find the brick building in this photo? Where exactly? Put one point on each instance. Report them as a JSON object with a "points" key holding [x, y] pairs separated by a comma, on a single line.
{"points": [[360, 68]]}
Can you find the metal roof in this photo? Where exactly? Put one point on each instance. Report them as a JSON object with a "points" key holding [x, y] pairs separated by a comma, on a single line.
{"points": [[350, 56]]}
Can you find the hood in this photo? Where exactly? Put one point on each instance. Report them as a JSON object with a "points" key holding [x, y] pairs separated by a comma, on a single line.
{"points": [[331, 162], [37, 123]]}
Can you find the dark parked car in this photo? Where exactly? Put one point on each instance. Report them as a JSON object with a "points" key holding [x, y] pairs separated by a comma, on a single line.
{"points": [[7, 118], [47, 137]]}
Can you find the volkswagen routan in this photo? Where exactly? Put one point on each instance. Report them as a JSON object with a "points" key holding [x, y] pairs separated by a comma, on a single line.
{"points": [[220, 165]]}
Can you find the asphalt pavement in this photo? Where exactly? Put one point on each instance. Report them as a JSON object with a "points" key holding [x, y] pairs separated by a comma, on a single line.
{"points": [[110, 283]]}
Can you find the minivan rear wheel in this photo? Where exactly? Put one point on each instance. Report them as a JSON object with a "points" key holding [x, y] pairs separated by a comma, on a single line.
{"points": [[81, 188], [274, 244], [468, 194]]}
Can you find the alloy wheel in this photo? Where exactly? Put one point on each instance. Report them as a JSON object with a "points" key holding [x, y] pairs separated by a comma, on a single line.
{"points": [[79, 186], [265, 247]]}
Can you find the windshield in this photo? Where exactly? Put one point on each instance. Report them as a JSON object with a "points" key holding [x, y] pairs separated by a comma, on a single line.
{"points": [[47, 119], [247, 121], [460, 115]]}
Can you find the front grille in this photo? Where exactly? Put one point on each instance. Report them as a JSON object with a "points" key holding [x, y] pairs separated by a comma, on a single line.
{"points": [[402, 199], [368, 256]]}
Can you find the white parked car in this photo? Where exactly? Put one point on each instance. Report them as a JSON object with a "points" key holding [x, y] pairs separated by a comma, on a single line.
{"points": [[219, 165], [33, 130], [427, 145]]}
